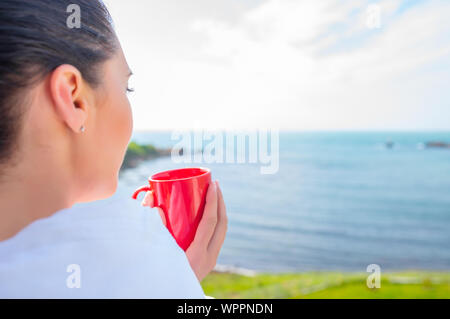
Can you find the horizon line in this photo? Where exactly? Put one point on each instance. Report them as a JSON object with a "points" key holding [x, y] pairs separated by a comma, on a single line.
{"points": [[301, 130]]}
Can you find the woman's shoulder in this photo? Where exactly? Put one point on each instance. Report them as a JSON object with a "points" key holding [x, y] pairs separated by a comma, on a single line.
{"points": [[113, 219], [115, 247]]}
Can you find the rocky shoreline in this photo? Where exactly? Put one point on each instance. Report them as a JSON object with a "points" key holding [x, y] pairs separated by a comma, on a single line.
{"points": [[137, 153], [435, 144]]}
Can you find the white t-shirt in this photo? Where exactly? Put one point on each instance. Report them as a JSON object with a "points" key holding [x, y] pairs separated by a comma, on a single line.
{"points": [[113, 248]]}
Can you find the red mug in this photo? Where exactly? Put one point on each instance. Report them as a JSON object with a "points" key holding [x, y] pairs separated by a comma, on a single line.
{"points": [[181, 194]]}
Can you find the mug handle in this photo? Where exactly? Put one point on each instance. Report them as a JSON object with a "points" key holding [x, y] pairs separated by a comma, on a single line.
{"points": [[145, 188]]}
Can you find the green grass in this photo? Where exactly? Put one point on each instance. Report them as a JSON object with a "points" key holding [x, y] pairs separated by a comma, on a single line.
{"points": [[141, 150], [416, 284], [137, 152]]}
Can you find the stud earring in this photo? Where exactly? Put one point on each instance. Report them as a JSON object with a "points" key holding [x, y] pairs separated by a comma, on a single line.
{"points": [[82, 129]]}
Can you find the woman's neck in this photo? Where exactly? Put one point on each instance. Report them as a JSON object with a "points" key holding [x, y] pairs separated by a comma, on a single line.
{"points": [[34, 188]]}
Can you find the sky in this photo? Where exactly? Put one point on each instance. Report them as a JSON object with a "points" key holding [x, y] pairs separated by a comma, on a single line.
{"points": [[287, 64]]}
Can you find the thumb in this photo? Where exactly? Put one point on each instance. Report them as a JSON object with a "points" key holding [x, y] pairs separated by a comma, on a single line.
{"points": [[148, 199]]}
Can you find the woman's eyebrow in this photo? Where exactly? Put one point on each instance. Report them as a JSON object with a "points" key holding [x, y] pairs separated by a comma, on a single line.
{"points": [[130, 74]]}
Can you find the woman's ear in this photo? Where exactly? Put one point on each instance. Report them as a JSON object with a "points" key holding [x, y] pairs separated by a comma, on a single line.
{"points": [[66, 91]]}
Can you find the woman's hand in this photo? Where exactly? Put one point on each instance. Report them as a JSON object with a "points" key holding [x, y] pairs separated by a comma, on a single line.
{"points": [[204, 249]]}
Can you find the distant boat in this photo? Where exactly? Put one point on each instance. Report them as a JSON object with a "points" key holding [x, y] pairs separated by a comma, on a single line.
{"points": [[389, 144], [437, 145]]}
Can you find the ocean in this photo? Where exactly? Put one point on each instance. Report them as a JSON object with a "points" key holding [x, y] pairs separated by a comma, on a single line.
{"points": [[339, 201]]}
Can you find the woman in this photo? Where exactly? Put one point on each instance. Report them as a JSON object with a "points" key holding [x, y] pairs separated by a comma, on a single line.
{"points": [[64, 130]]}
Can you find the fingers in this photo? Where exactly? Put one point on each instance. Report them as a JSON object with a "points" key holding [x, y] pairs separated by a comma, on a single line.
{"points": [[149, 201], [208, 222], [222, 224]]}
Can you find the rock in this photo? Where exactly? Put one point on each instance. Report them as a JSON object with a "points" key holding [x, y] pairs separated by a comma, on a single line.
{"points": [[137, 153], [437, 145]]}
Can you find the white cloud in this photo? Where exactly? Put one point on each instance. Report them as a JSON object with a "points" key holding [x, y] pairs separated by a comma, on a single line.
{"points": [[296, 65]]}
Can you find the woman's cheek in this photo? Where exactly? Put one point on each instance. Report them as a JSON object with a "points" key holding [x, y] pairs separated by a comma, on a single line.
{"points": [[124, 123], [128, 120]]}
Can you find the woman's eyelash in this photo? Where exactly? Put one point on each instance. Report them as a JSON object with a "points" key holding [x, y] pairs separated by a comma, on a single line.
{"points": [[130, 89]]}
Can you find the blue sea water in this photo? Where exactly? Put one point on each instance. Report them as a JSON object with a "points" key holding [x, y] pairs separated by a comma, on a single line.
{"points": [[339, 201]]}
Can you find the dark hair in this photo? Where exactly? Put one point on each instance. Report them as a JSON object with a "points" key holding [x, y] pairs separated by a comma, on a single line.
{"points": [[35, 38]]}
